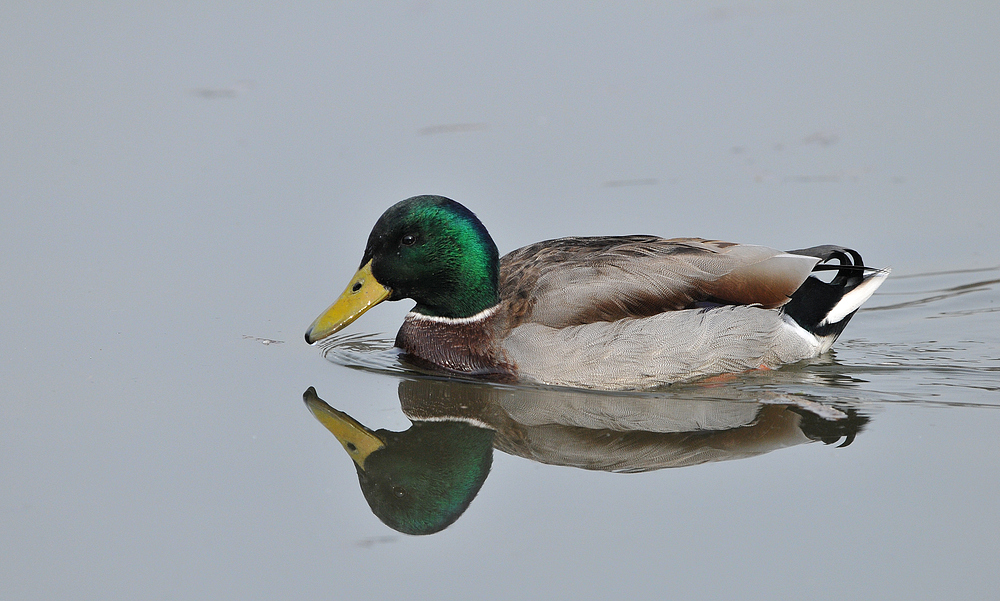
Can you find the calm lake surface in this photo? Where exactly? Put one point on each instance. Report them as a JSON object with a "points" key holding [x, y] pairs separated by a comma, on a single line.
{"points": [[186, 188]]}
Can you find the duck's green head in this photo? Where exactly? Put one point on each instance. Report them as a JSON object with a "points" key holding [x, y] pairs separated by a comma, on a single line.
{"points": [[427, 248], [418, 481]]}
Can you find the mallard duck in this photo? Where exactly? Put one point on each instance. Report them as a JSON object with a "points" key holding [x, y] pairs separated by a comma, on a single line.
{"points": [[614, 312]]}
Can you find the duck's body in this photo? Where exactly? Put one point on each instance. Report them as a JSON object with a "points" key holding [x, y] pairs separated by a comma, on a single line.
{"points": [[603, 312]]}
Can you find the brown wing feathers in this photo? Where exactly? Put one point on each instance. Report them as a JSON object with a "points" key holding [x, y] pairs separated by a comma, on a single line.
{"points": [[581, 280]]}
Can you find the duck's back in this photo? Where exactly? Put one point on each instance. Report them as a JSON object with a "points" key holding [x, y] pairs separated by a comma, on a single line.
{"points": [[573, 281]]}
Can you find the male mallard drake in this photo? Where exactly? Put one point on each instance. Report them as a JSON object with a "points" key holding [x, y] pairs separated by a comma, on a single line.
{"points": [[616, 312]]}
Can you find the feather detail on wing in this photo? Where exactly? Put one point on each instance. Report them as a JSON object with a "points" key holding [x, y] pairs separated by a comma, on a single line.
{"points": [[573, 281]]}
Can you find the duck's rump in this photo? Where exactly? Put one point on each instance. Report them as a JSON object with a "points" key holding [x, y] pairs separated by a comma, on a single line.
{"points": [[574, 281]]}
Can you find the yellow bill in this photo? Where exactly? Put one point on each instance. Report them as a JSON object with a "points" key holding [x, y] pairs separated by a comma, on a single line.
{"points": [[363, 293], [358, 441]]}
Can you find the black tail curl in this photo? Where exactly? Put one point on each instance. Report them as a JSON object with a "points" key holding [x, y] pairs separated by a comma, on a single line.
{"points": [[814, 299]]}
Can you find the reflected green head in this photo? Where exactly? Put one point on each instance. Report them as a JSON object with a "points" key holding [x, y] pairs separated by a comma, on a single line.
{"points": [[425, 477]]}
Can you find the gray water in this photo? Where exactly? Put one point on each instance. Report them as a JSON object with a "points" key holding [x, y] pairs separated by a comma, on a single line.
{"points": [[185, 188]]}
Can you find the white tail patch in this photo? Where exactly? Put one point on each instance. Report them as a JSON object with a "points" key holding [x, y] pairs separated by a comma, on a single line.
{"points": [[855, 298]]}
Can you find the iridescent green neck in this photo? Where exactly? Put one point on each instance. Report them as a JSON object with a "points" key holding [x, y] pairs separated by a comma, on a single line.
{"points": [[466, 267]]}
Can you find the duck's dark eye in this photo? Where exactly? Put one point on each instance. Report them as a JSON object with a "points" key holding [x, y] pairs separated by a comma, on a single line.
{"points": [[408, 240], [398, 491]]}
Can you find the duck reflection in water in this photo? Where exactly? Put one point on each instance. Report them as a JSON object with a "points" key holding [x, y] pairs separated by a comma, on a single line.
{"points": [[421, 480]]}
